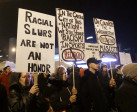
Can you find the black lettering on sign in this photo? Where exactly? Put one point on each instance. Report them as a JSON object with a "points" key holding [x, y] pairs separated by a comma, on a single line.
{"points": [[69, 14], [28, 16], [72, 44], [31, 19], [26, 26], [46, 45], [34, 56], [96, 21], [60, 31], [39, 32], [109, 49], [61, 14], [77, 16], [98, 31], [78, 22], [32, 67], [28, 43]]}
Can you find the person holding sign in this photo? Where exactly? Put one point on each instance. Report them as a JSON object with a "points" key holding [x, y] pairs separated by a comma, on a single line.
{"points": [[63, 98], [92, 96], [23, 97], [108, 85]]}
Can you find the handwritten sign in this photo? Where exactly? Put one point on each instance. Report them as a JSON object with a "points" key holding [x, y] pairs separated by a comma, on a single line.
{"points": [[35, 42], [105, 35], [70, 29]]}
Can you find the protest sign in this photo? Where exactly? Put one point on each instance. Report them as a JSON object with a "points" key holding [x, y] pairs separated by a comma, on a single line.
{"points": [[91, 50], [125, 58], [70, 30], [35, 42], [106, 39]]}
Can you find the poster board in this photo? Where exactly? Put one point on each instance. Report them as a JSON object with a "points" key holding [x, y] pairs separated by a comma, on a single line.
{"points": [[91, 50], [125, 58], [106, 38], [70, 30], [35, 42]]}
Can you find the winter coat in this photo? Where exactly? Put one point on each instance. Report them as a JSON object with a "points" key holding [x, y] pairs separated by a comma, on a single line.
{"points": [[3, 99], [20, 100], [59, 100], [92, 95], [4, 79], [126, 96]]}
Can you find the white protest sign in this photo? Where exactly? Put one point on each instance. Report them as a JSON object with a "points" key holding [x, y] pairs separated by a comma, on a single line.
{"points": [[106, 39], [35, 42], [70, 30], [125, 58], [91, 50]]}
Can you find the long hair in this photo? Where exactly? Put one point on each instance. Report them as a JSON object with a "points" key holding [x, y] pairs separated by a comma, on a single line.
{"points": [[59, 72], [104, 73]]}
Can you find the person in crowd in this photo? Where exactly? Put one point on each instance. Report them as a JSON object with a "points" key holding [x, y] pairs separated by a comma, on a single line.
{"points": [[76, 83], [63, 98], [118, 76], [23, 97], [108, 85], [126, 96], [3, 99], [4, 78], [76, 76], [92, 96]]}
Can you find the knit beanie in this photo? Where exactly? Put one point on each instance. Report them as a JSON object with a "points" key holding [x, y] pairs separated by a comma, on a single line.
{"points": [[130, 70]]}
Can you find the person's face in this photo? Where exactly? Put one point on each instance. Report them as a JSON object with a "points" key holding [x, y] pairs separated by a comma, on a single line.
{"points": [[64, 75], [8, 70], [104, 68], [93, 66], [25, 79]]}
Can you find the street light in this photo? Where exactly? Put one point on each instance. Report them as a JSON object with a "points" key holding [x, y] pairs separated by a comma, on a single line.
{"points": [[13, 49], [90, 37], [108, 60]]}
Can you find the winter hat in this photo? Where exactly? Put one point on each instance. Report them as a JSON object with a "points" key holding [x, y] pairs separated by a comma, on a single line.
{"points": [[93, 60], [130, 70]]}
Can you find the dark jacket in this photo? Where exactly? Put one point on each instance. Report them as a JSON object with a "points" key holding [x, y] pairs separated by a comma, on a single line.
{"points": [[126, 97], [3, 99], [59, 100], [92, 95], [20, 100]]}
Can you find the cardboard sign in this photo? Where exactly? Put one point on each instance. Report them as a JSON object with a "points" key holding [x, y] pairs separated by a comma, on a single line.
{"points": [[35, 42], [125, 58], [91, 50], [70, 30], [106, 39]]}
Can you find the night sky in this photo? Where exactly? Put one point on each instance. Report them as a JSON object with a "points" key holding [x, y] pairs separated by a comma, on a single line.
{"points": [[122, 12]]}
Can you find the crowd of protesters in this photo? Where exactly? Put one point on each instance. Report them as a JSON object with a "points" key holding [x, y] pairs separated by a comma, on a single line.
{"points": [[96, 89]]}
